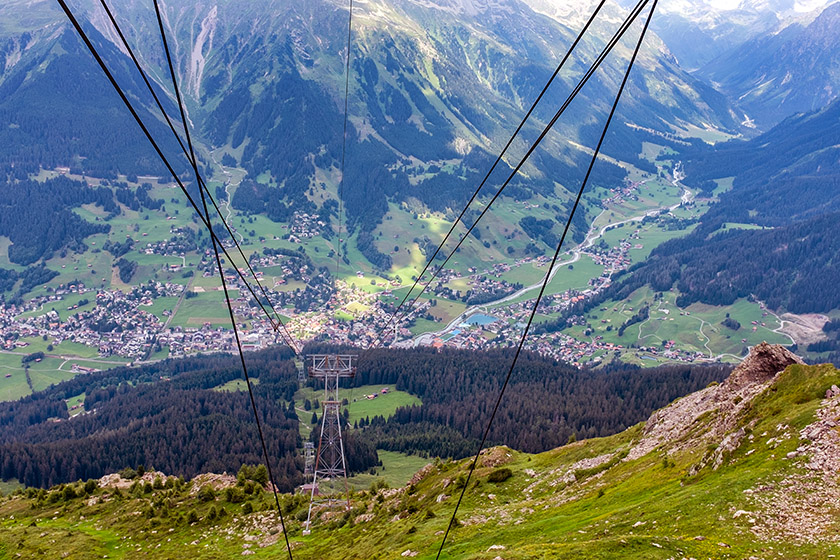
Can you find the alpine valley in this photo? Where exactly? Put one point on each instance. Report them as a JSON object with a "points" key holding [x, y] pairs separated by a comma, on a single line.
{"points": [[675, 397]]}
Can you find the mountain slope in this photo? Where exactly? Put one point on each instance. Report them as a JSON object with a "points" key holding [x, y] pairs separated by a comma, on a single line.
{"points": [[57, 109], [786, 179], [430, 84], [41, 444], [776, 75], [435, 91], [698, 31], [732, 471]]}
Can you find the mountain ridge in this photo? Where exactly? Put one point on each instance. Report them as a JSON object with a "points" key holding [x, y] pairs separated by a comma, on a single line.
{"points": [[776, 75], [734, 470]]}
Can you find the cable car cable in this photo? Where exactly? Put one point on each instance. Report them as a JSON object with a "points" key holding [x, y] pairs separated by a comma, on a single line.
{"points": [[275, 324], [152, 141], [340, 189], [222, 276], [548, 273], [607, 49]]}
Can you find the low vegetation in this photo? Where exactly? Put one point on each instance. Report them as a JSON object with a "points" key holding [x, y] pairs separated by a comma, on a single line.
{"points": [[597, 498]]}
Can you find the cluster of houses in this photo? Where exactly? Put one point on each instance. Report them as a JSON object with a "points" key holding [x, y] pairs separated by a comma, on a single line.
{"points": [[622, 193], [181, 242], [305, 226]]}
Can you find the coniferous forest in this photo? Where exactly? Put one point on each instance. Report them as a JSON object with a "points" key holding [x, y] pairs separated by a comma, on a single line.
{"points": [[166, 415], [545, 403]]}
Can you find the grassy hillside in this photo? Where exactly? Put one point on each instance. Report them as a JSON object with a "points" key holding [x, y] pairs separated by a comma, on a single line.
{"points": [[744, 469]]}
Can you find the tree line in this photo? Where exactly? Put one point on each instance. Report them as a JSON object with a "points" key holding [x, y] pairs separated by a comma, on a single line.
{"points": [[546, 402], [163, 415]]}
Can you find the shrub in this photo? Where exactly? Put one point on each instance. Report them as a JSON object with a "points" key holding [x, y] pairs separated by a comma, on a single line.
{"points": [[500, 475], [261, 475], [206, 493], [461, 481], [128, 473], [234, 495]]}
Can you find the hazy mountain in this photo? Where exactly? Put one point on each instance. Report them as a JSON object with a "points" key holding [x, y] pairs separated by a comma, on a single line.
{"points": [[698, 31], [794, 70]]}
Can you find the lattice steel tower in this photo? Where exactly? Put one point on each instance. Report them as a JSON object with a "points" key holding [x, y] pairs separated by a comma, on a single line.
{"points": [[329, 480], [309, 458], [301, 373]]}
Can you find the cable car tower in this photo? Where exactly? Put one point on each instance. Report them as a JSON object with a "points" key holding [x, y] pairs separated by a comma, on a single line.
{"points": [[329, 479]]}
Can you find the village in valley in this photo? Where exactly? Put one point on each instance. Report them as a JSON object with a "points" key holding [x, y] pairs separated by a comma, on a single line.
{"points": [[179, 308]]}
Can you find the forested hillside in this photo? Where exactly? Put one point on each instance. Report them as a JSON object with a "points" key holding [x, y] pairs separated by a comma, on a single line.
{"points": [[57, 109], [427, 108], [545, 404], [787, 179], [166, 416], [22, 210], [162, 416]]}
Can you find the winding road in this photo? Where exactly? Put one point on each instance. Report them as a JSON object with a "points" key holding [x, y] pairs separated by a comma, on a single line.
{"points": [[593, 235]]}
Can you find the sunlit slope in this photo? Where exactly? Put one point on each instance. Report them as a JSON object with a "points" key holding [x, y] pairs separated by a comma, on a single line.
{"points": [[745, 468]]}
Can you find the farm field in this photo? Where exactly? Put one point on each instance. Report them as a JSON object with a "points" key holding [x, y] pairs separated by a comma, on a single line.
{"points": [[697, 328], [236, 385], [206, 307], [359, 407]]}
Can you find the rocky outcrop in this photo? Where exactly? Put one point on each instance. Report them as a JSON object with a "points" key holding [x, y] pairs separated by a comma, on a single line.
{"points": [[761, 365], [215, 481], [116, 481], [710, 415], [495, 456], [421, 474]]}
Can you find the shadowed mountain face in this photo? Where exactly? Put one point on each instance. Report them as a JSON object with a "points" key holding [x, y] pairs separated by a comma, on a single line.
{"points": [[57, 109], [785, 179], [433, 87]]}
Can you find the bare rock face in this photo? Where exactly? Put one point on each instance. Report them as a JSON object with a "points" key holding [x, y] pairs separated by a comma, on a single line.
{"points": [[762, 364], [216, 481], [679, 424]]}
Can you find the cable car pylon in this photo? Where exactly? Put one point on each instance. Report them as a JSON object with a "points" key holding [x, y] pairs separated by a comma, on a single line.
{"points": [[329, 488]]}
